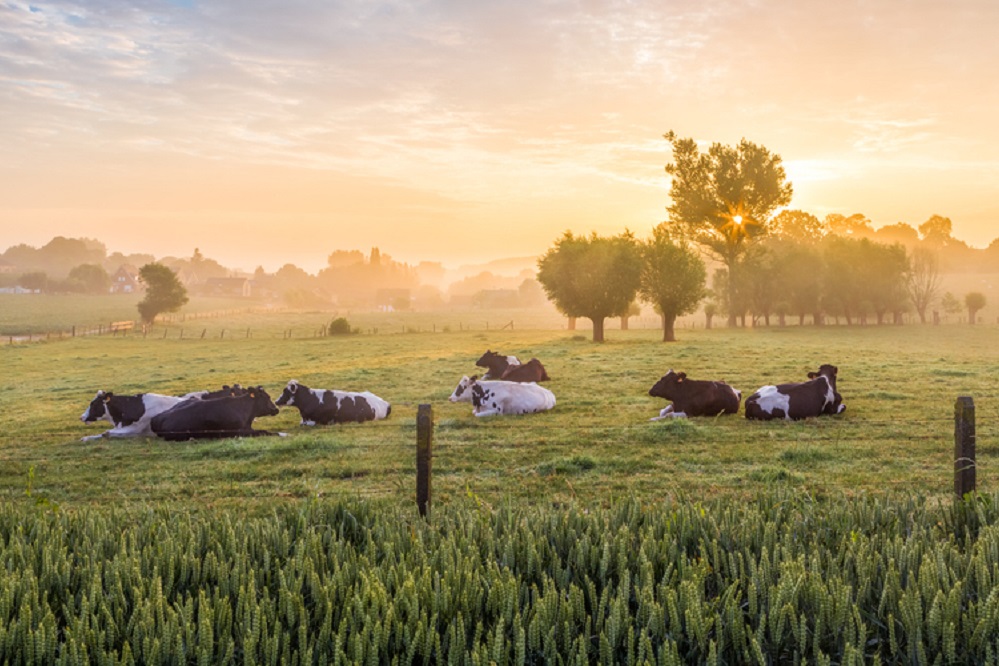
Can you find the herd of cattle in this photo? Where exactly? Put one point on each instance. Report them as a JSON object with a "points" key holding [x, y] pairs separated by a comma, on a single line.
{"points": [[507, 387]]}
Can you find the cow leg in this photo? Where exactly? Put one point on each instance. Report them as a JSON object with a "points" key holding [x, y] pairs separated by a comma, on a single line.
{"points": [[664, 413], [488, 412]]}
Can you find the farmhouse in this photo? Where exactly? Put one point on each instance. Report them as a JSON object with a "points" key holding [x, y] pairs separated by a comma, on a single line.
{"points": [[390, 300], [126, 280], [234, 287]]}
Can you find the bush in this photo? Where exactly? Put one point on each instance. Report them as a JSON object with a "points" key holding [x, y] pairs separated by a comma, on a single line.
{"points": [[341, 326]]}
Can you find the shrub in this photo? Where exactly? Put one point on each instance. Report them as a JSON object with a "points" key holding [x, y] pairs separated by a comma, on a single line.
{"points": [[340, 326]]}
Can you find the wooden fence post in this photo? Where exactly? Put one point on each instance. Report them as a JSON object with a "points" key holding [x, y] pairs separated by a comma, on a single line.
{"points": [[424, 440], [964, 446]]}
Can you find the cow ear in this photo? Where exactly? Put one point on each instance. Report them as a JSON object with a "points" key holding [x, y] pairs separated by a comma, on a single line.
{"points": [[107, 396], [473, 378], [682, 376], [253, 393], [813, 375]]}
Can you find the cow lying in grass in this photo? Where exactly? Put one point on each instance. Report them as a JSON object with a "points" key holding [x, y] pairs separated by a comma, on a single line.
{"points": [[490, 398], [693, 397], [532, 371], [215, 418], [497, 364], [325, 406], [130, 415], [794, 401]]}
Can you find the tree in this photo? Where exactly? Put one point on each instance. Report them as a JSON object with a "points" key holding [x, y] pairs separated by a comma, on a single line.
{"points": [[936, 231], [164, 292], [672, 279], [592, 277], [922, 280], [974, 301], [92, 278], [798, 226], [35, 280], [884, 269], [855, 226], [725, 198], [950, 304], [897, 233]]}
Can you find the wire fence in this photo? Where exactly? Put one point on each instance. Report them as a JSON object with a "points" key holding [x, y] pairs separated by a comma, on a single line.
{"points": [[186, 326], [450, 433]]}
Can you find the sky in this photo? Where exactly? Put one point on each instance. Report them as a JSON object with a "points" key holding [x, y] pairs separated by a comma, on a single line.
{"points": [[274, 132]]}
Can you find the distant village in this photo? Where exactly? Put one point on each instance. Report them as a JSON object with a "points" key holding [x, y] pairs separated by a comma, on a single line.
{"points": [[350, 279]]}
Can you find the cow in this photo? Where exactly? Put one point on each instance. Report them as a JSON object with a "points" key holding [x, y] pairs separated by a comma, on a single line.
{"points": [[325, 406], [694, 397], [227, 416], [796, 401], [493, 397], [532, 371], [496, 364], [130, 414]]}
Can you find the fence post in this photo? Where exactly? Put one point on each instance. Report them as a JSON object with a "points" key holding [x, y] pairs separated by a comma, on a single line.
{"points": [[964, 446], [424, 439]]}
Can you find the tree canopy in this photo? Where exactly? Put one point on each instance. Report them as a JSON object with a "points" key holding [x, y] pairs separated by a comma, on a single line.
{"points": [[164, 292], [591, 276], [673, 277], [725, 197]]}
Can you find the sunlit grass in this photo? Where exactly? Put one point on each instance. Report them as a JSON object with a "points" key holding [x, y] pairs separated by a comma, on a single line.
{"points": [[899, 385]]}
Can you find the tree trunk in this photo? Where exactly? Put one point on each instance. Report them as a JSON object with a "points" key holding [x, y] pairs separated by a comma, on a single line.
{"points": [[572, 323], [598, 329], [624, 323], [707, 321], [669, 334]]}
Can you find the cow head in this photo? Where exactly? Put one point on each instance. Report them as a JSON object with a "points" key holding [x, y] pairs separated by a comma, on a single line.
{"points": [[262, 403], [827, 371], [463, 392], [98, 408], [288, 395], [668, 385], [487, 359]]}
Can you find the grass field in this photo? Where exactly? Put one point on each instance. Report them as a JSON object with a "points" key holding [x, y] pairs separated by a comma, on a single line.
{"points": [[35, 314], [899, 385]]}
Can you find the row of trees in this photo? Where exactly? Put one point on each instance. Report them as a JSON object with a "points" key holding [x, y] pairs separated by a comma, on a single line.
{"points": [[723, 204]]}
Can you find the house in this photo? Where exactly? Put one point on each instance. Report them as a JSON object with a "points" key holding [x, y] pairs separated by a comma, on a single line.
{"points": [[126, 280], [189, 278], [389, 300], [231, 287], [496, 298]]}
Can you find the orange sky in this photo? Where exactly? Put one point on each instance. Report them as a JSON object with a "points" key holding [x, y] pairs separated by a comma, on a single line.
{"points": [[273, 132]]}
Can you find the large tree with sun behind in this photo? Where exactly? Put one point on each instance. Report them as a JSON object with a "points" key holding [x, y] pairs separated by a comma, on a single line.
{"points": [[725, 198]]}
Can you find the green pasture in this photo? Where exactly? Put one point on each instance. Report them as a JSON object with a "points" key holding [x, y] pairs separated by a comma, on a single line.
{"points": [[597, 445], [40, 314]]}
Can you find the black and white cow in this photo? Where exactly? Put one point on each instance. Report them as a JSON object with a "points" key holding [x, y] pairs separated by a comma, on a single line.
{"points": [[499, 397], [798, 400], [130, 414], [215, 418], [497, 364], [694, 397], [325, 406]]}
